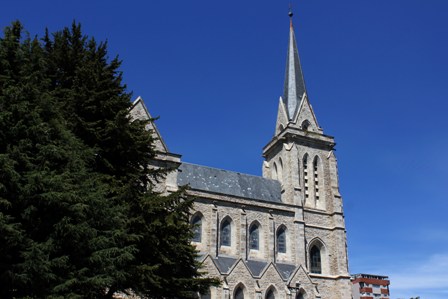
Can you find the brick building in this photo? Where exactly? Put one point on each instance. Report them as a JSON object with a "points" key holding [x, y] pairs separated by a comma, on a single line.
{"points": [[368, 286], [281, 235]]}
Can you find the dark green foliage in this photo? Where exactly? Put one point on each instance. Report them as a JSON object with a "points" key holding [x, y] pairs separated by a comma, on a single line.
{"points": [[78, 216]]}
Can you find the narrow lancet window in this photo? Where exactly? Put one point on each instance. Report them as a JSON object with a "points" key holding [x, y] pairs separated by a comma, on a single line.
{"points": [[197, 228], [226, 233], [270, 294], [281, 240], [305, 176], [239, 293], [316, 177], [275, 172], [254, 237], [280, 170], [315, 260]]}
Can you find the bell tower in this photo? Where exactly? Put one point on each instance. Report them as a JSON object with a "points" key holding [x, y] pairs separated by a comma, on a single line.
{"points": [[301, 157]]}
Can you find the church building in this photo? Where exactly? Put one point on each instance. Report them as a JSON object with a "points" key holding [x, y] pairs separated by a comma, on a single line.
{"points": [[278, 236]]}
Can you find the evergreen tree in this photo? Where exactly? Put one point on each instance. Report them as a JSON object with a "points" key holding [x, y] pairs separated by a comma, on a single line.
{"points": [[78, 214]]}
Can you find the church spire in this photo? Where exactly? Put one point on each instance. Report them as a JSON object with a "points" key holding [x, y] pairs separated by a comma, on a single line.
{"points": [[294, 87]]}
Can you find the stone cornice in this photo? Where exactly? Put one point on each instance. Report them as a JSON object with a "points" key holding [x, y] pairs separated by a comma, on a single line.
{"points": [[279, 206], [333, 277], [325, 227], [161, 156], [321, 212], [291, 134]]}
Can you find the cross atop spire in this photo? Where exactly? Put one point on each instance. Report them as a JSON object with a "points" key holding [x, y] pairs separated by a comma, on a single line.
{"points": [[294, 87], [290, 14]]}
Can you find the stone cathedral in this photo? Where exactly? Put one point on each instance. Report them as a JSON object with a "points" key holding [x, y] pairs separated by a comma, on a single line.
{"points": [[278, 236]]}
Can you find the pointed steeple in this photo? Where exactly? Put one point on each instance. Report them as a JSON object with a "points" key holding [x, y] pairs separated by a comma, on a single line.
{"points": [[294, 87]]}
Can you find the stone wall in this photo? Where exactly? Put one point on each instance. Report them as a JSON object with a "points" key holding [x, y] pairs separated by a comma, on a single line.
{"points": [[270, 216]]}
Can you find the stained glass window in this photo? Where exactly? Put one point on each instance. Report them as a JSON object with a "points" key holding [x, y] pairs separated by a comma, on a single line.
{"points": [[226, 233], [281, 240], [197, 228], [239, 294], [315, 260], [270, 294], [254, 237]]}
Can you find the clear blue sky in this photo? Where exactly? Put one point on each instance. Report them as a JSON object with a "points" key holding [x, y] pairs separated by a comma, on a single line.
{"points": [[377, 77]]}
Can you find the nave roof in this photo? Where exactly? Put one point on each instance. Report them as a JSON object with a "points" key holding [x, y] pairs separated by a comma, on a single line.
{"points": [[228, 182]]}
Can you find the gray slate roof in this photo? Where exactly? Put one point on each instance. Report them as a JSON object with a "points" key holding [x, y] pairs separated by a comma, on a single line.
{"points": [[256, 267], [201, 257], [285, 270], [224, 263], [228, 182]]}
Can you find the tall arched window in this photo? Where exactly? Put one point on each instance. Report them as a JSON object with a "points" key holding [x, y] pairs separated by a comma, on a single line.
{"points": [[305, 176], [315, 260], [316, 177], [280, 170], [270, 294], [254, 237], [197, 228], [275, 172], [226, 233], [239, 293], [281, 240]]}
